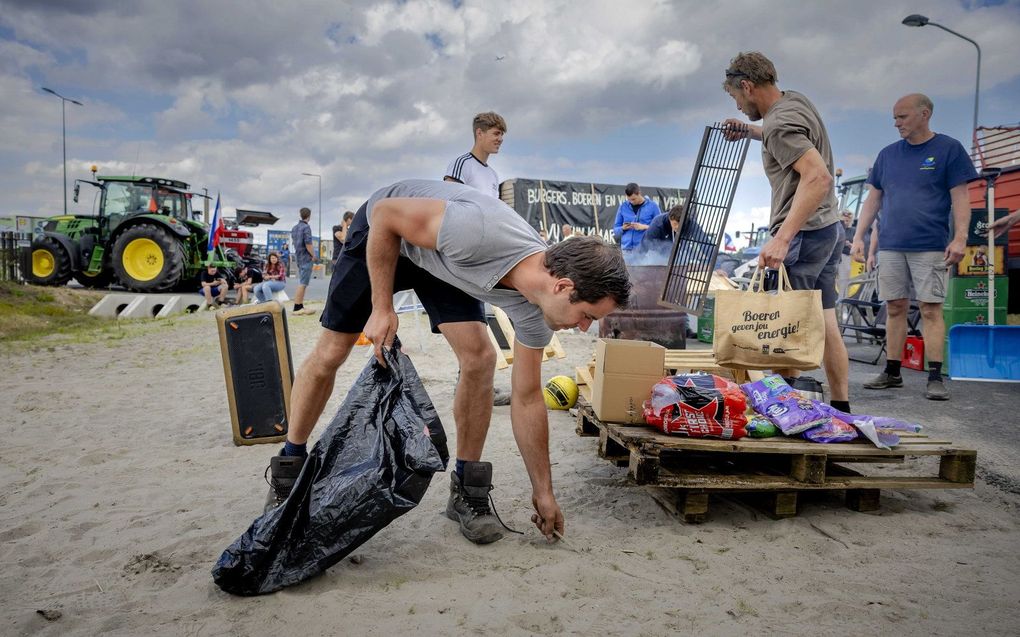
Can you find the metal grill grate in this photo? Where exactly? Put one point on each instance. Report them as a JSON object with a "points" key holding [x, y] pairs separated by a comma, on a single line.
{"points": [[710, 196]]}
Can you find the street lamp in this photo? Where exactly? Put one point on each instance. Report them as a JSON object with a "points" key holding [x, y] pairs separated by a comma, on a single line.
{"points": [[63, 129], [319, 177], [916, 20]]}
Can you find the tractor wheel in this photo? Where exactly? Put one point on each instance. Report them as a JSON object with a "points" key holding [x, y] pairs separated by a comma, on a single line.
{"points": [[101, 280], [51, 265], [147, 258]]}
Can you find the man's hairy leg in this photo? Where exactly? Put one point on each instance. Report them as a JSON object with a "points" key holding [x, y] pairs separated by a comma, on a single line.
{"points": [[472, 401], [313, 384]]}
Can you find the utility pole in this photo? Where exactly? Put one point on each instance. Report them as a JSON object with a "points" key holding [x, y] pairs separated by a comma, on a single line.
{"points": [[63, 133]]}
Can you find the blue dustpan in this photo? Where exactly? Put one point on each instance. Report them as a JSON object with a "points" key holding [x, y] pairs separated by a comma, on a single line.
{"points": [[984, 352]]}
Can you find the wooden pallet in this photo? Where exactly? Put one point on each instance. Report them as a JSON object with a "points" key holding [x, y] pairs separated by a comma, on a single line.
{"points": [[684, 471]]}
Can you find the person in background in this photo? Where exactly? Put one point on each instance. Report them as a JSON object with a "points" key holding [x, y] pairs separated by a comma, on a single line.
{"points": [[244, 284], [1001, 226], [807, 236], [274, 279], [301, 235], [920, 184], [340, 235], [658, 238], [633, 217], [472, 168], [567, 231], [213, 284]]}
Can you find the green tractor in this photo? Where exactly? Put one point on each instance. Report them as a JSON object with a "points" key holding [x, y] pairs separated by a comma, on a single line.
{"points": [[145, 237]]}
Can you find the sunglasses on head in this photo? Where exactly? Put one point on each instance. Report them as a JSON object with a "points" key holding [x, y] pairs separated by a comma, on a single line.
{"points": [[735, 74]]}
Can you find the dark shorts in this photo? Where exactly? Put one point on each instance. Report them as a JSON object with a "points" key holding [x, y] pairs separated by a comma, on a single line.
{"points": [[349, 301], [813, 260]]}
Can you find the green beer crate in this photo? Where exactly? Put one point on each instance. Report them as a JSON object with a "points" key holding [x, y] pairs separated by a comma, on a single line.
{"points": [[971, 293], [706, 322], [977, 316]]}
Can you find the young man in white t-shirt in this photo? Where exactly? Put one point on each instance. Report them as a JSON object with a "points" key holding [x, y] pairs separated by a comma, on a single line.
{"points": [[472, 169]]}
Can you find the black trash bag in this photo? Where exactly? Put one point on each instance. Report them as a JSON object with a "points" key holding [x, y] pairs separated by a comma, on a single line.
{"points": [[372, 464]]}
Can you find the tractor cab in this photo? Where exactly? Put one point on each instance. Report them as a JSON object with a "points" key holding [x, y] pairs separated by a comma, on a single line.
{"points": [[124, 197]]}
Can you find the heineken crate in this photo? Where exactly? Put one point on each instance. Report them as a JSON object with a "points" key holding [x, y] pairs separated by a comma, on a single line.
{"points": [[706, 322], [971, 293], [977, 316]]}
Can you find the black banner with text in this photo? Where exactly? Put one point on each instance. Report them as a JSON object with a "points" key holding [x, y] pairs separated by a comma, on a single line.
{"points": [[590, 209]]}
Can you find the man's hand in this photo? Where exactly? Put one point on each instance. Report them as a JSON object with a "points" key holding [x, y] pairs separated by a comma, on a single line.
{"points": [[734, 129], [638, 226], [857, 250], [548, 516], [1001, 226], [773, 253], [869, 265], [955, 250], [381, 329], [627, 225]]}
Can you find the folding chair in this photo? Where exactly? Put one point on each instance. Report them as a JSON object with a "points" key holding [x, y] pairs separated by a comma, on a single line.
{"points": [[873, 316]]}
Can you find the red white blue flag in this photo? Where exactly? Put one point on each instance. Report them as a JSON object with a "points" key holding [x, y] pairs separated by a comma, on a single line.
{"points": [[728, 244], [216, 229]]}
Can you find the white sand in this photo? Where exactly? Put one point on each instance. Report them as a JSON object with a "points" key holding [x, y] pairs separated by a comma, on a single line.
{"points": [[121, 486]]}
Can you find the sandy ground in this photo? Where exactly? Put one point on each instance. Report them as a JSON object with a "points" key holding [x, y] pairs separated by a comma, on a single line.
{"points": [[121, 486]]}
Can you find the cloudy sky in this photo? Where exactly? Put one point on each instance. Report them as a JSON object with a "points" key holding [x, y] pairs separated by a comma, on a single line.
{"points": [[243, 97]]}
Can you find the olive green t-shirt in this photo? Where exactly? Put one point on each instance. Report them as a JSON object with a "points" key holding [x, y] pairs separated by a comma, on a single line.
{"points": [[791, 128]]}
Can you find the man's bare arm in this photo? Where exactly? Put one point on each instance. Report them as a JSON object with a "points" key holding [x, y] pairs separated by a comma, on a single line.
{"points": [[961, 221], [814, 186], [416, 221], [530, 422], [869, 210]]}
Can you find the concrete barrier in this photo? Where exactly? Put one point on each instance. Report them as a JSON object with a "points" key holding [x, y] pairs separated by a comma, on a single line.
{"points": [[133, 306]]}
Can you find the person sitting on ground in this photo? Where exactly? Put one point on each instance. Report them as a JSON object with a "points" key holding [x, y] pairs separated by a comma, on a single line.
{"points": [[455, 246], [213, 284], [244, 284], [274, 279]]}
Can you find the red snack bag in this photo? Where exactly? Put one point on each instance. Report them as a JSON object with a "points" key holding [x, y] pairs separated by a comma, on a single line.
{"points": [[697, 405]]}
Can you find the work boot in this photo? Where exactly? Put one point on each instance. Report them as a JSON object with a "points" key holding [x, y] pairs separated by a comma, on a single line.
{"points": [[884, 381], [285, 471], [936, 390], [469, 503]]}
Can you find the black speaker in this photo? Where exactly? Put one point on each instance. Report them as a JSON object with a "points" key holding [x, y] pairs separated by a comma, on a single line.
{"points": [[259, 373]]}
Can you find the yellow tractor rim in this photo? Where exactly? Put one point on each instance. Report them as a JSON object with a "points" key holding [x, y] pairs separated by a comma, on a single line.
{"points": [[143, 259], [43, 263]]}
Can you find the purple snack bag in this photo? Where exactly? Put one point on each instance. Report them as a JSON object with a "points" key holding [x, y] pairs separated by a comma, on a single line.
{"points": [[787, 408]]}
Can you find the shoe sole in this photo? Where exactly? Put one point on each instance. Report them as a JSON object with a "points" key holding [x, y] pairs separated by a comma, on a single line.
{"points": [[935, 396]]}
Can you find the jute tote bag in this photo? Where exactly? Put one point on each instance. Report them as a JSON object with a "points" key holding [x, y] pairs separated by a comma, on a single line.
{"points": [[755, 329]]}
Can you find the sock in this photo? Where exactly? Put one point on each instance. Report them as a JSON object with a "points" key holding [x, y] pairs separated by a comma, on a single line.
{"points": [[934, 370], [459, 469], [291, 449], [892, 367], [842, 405], [299, 307]]}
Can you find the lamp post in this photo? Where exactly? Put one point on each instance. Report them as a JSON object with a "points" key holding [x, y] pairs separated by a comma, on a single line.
{"points": [[63, 130], [916, 20], [319, 177]]}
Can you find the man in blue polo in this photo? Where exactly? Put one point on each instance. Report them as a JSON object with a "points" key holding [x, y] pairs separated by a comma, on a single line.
{"points": [[919, 182], [633, 217]]}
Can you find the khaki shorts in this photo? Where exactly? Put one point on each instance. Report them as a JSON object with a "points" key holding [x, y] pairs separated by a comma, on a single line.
{"points": [[912, 275]]}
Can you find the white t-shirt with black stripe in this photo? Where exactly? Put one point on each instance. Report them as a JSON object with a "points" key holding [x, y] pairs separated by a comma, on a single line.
{"points": [[468, 170]]}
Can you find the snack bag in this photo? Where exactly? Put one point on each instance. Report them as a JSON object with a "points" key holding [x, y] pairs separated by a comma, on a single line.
{"points": [[697, 405], [759, 426], [784, 405], [835, 430], [880, 430]]}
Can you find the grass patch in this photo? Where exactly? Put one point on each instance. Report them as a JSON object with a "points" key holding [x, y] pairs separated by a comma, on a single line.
{"points": [[29, 312]]}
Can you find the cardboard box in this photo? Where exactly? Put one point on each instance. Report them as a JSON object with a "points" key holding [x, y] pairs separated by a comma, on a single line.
{"points": [[625, 372], [972, 317]]}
